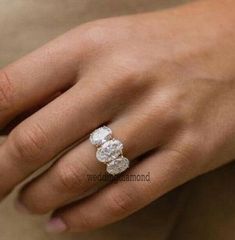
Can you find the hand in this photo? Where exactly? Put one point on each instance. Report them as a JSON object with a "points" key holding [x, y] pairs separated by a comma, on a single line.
{"points": [[163, 82]]}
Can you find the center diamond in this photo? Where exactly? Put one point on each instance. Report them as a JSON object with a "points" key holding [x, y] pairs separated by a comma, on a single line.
{"points": [[109, 151]]}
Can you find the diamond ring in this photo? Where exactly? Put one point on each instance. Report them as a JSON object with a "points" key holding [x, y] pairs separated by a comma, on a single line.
{"points": [[109, 150]]}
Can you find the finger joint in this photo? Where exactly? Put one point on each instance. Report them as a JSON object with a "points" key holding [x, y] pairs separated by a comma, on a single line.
{"points": [[28, 142], [6, 91]]}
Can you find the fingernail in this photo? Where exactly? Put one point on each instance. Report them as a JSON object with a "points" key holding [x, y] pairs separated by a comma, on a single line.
{"points": [[20, 207], [56, 225]]}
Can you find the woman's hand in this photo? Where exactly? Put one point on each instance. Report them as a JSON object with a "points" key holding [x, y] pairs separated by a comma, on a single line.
{"points": [[163, 82]]}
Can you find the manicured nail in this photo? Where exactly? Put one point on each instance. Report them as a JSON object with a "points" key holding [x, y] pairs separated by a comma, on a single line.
{"points": [[56, 225], [20, 207]]}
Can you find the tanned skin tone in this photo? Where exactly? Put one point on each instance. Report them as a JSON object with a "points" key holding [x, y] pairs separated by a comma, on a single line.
{"points": [[164, 82]]}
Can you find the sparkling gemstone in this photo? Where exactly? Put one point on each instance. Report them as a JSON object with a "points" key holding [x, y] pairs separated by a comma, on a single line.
{"points": [[109, 151], [117, 166], [100, 136]]}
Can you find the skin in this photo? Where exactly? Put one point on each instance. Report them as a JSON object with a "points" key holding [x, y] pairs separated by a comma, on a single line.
{"points": [[164, 82]]}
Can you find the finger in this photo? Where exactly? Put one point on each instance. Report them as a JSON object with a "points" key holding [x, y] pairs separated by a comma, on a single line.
{"points": [[167, 170], [43, 135], [70, 174], [17, 120], [27, 82]]}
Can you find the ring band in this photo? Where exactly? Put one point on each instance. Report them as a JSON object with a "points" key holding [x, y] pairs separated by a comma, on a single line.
{"points": [[109, 150]]}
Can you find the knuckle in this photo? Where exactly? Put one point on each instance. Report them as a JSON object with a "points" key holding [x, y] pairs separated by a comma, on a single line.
{"points": [[6, 91], [95, 35], [120, 203], [28, 142], [119, 76], [131, 78], [70, 178], [127, 73], [171, 118]]}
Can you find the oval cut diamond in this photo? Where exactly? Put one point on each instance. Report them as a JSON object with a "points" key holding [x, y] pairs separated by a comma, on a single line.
{"points": [[109, 151], [117, 166], [100, 136]]}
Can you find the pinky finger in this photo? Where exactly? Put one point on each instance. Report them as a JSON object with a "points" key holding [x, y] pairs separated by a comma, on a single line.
{"points": [[165, 170]]}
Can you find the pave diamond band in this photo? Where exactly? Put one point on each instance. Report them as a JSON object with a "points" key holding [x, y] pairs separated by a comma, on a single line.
{"points": [[109, 150]]}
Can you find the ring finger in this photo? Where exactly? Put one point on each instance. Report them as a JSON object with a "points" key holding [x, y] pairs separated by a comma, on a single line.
{"points": [[68, 178]]}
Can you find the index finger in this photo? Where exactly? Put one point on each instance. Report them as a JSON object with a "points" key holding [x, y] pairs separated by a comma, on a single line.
{"points": [[37, 76]]}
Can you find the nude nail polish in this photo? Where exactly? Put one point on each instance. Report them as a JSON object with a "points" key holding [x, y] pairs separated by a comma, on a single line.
{"points": [[56, 225]]}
